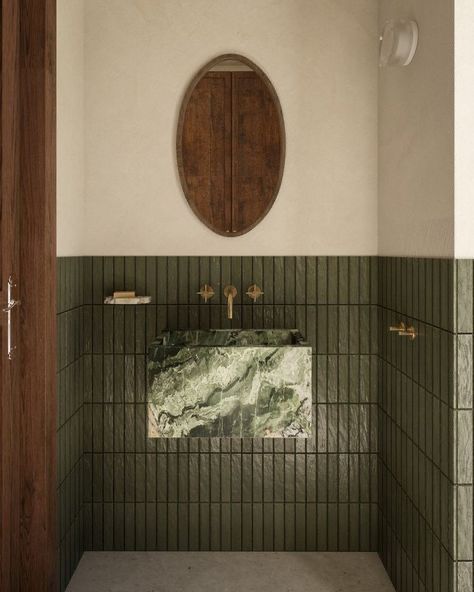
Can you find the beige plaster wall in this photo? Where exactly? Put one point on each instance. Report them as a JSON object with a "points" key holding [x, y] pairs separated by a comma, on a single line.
{"points": [[464, 129], [321, 55], [70, 127], [416, 137]]}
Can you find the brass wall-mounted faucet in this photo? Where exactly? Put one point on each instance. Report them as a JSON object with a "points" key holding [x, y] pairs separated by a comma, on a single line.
{"points": [[230, 292]]}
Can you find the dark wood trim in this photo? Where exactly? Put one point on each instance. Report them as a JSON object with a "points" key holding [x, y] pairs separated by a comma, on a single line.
{"points": [[179, 135], [38, 295]]}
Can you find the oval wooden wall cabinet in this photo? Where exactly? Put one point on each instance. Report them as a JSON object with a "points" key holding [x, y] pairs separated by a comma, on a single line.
{"points": [[230, 145]]}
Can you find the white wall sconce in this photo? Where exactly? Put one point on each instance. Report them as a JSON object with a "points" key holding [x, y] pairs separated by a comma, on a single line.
{"points": [[398, 43]]}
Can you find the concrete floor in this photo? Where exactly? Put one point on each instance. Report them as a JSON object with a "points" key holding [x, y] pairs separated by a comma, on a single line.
{"points": [[229, 572]]}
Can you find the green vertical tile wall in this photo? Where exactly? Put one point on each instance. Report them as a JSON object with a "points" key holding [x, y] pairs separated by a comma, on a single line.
{"points": [[425, 424], [212, 494], [70, 396], [389, 467], [462, 471]]}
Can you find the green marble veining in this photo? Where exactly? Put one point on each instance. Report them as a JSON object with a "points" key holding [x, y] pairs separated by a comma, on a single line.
{"points": [[247, 386]]}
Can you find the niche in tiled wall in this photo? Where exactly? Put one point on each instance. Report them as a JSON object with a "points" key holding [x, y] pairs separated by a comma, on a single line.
{"points": [[233, 494]]}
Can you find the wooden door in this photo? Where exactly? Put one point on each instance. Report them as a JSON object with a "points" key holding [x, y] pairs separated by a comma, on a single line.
{"points": [[28, 262], [9, 321]]}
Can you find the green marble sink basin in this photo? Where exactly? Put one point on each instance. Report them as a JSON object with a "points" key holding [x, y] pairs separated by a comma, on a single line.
{"points": [[229, 383]]}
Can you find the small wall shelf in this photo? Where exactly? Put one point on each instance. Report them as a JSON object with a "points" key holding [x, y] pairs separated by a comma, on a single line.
{"points": [[136, 300]]}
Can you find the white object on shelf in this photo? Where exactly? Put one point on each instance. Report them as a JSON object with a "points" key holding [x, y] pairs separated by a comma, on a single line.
{"points": [[135, 300], [398, 43]]}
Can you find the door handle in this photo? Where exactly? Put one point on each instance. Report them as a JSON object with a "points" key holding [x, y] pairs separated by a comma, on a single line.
{"points": [[8, 310], [11, 305]]}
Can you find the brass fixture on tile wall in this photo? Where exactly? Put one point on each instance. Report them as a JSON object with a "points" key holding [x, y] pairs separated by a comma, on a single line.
{"points": [[410, 332], [230, 292], [206, 292], [404, 331], [254, 292]]}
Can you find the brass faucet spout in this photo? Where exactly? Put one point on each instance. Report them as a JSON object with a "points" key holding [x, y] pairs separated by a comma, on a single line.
{"points": [[230, 292]]}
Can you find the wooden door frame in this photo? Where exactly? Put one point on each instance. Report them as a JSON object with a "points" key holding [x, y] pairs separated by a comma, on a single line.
{"points": [[38, 293], [33, 564]]}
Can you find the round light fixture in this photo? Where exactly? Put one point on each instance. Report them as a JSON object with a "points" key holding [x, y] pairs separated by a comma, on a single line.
{"points": [[398, 43]]}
